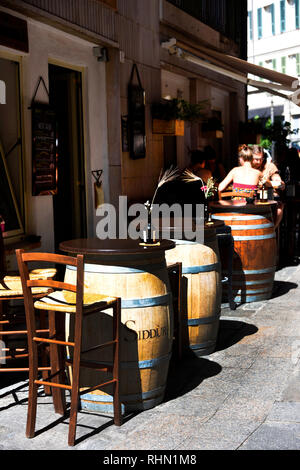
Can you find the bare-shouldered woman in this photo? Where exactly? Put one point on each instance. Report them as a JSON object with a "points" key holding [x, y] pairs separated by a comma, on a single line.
{"points": [[244, 178]]}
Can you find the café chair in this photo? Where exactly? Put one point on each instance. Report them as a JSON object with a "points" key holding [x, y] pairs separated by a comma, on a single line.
{"points": [[11, 289], [175, 276], [237, 194], [66, 298]]}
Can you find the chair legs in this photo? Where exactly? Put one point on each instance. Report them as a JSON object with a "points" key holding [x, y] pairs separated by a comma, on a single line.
{"points": [[116, 369], [57, 363], [33, 390], [58, 376]]}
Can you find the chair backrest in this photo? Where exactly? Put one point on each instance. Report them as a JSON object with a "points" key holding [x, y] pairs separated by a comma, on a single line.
{"points": [[24, 258], [237, 194]]}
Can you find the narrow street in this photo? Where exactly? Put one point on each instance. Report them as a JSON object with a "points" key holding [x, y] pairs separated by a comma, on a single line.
{"points": [[246, 395]]}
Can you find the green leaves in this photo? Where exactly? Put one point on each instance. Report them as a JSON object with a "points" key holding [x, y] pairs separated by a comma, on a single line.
{"points": [[178, 109]]}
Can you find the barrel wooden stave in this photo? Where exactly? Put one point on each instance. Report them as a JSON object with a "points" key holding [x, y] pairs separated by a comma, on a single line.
{"points": [[254, 259], [146, 333], [201, 299]]}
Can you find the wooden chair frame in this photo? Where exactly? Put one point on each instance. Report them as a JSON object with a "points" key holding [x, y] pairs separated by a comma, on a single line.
{"points": [[18, 353], [175, 276], [56, 339], [236, 194]]}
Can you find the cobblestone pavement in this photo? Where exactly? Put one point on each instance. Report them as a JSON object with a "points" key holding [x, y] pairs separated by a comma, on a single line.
{"points": [[246, 395]]}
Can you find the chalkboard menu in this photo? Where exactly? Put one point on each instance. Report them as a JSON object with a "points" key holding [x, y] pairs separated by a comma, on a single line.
{"points": [[44, 164]]}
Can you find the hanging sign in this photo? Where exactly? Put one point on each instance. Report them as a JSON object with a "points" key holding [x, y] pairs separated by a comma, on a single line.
{"points": [[44, 162]]}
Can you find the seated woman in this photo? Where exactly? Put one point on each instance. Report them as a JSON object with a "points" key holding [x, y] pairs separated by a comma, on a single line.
{"points": [[244, 177]]}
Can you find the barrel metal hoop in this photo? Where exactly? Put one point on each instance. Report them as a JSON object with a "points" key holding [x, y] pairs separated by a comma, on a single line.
{"points": [[251, 227], [249, 299], [255, 291], [109, 269], [184, 242], [141, 364], [237, 217], [255, 237], [256, 271], [147, 301], [203, 321], [251, 283], [109, 399], [202, 345], [201, 269]]}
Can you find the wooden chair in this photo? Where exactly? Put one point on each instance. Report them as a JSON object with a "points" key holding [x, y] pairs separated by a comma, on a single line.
{"points": [[175, 275], [236, 194], [68, 298], [11, 289]]}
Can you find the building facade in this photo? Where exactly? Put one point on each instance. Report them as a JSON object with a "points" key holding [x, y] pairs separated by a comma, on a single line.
{"points": [[274, 43], [79, 56]]}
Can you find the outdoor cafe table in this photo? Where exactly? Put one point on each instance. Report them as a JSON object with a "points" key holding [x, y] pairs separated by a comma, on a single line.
{"points": [[254, 257], [138, 274]]}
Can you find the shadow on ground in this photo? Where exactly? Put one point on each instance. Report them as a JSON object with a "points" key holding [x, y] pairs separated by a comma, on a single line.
{"points": [[187, 374], [282, 287], [231, 332]]}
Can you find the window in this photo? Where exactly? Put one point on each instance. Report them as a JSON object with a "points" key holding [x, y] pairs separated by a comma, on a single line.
{"points": [[283, 64], [282, 16], [274, 64], [250, 25], [259, 23], [272, 10], [297, 12]]}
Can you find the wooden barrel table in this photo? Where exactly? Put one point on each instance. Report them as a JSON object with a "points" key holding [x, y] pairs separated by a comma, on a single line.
{"points": [[201, 293], [254, 258], [137, 274]]}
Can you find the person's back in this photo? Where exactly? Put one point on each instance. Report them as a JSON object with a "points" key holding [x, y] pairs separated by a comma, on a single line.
{"points": [[244, 178], [246, 175]]}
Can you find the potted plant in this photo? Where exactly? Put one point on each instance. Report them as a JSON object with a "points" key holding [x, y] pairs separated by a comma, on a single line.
{"points": [[168, 116], [212, 128], [209, 189]]}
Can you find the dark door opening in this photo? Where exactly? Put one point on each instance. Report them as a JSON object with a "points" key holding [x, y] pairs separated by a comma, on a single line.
{"points": [[69, 204]]}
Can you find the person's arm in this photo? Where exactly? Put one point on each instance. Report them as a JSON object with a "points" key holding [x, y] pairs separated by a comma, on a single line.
{"points": [[226, 181], [277, 182]]}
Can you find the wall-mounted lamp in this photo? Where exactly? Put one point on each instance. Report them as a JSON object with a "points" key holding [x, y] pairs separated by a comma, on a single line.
{"points": [[2, 92], [101, 53]]}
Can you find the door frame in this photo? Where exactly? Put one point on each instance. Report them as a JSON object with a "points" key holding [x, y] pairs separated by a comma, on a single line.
{"points": [[23, 209], [82, 70]]}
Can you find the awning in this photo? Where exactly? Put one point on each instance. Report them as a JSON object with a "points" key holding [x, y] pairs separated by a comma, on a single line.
{"points": [[2, 92], [237, 69]]}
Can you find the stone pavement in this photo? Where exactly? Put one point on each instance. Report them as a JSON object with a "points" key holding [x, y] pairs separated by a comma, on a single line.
{"points": [[246, 395]]}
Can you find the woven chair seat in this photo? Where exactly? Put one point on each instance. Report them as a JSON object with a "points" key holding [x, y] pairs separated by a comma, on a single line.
{"points": [[11, 286], [64, 301]]}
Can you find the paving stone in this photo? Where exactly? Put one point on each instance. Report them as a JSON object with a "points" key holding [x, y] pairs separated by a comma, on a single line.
{"points": [[274, 436], [292, 391], [219, 435], [166, 432], [243, 409], [245, 395], [285, 412]]}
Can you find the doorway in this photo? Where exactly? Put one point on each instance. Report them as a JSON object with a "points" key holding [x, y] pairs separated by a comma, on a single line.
{"points": [[69, 204]]}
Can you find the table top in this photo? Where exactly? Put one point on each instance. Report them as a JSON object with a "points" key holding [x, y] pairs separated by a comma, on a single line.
{"points": [[241, 206], [95, 246]]}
